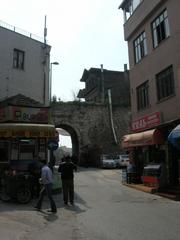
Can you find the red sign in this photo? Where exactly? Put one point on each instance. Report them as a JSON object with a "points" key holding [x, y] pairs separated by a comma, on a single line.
{"points": [[28, 114], [24, 114], [146, 122]]}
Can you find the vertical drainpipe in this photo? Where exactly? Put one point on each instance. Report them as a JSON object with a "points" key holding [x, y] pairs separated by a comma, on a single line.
{"points": [[111, 116], [102, 84], [45, 62]]}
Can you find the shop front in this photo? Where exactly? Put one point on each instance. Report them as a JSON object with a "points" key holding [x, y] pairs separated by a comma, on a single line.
{"points": [[26, 137], [147, 147], [23, 143], [22, 146]]}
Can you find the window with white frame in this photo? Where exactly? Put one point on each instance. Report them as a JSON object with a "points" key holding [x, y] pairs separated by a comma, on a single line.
{"points": [[160, 28], [18, 59], [165, 83], [142, 92], [140, 47]]}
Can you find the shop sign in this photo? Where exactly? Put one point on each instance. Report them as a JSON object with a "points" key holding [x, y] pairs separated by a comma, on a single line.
{"points": [[27, 114], [146, 122]]}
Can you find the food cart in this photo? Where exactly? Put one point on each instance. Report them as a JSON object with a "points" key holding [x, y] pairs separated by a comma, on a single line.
{"points": [[22, 144]]}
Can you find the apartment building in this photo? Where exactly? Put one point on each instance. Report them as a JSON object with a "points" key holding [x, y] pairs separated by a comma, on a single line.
{"points": [[152, 30], [24, 65]]}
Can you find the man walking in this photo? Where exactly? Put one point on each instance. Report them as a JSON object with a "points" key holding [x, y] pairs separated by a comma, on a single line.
{"points": [[66, 169], [47, 181]]}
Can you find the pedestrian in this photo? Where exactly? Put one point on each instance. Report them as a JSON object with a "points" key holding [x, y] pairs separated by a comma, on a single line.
{"points": [[34, 168], [46, 181], [74, 159], [67, 169]]}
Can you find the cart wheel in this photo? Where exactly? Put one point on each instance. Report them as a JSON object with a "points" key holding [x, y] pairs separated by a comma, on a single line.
{"points": [[23, 195], [5, 197]]}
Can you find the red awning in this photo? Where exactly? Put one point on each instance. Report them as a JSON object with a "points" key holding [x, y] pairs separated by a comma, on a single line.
{"points": [[150, 137]]}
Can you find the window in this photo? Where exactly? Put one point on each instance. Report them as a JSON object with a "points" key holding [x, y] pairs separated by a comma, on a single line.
{"points": [[4, 150], [143, 96], [18, 59], [140, 47], [160, 28], [165, 83]]}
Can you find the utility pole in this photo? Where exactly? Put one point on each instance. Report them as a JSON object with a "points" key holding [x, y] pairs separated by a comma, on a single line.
{"points": [[102, 84]]}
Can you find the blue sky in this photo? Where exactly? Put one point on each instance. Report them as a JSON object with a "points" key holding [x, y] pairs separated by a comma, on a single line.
{"points": [[82, 33]]}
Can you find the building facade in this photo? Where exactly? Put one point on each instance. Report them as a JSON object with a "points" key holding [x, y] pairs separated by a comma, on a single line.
{"points": [[25, 129], [99, 81], [152, 30], [24, 65]]}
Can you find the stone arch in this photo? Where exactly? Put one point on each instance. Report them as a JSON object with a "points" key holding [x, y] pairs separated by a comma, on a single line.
{"points": [[74, 137]]}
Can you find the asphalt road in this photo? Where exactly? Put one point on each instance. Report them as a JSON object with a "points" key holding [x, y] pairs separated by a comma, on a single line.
{"points": [[104, 210]]}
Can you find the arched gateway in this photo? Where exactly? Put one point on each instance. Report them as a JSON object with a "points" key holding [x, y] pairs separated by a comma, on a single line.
{"points": [[91, 129]]}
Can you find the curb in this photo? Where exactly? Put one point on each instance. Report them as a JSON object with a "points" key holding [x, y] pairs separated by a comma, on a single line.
{"points": [[141, 187]]}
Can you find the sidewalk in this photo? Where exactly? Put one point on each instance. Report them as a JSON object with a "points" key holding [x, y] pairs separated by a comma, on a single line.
{"points": [[141, 187], [169, 193]]}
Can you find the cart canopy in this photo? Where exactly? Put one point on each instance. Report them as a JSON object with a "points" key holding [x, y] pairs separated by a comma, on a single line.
{"points": [[27, 130]]}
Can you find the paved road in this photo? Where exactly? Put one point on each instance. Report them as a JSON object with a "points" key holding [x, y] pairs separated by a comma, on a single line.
{"points": [[104, 210]]}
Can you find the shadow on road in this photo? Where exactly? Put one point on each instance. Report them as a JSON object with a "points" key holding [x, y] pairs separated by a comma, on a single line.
{"points": [[14, 206]]}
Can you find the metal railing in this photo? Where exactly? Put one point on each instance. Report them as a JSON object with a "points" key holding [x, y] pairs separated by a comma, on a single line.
{"points": [[20, 31]]}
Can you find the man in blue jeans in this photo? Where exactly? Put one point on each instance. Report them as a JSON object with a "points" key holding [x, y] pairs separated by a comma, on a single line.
{"points": [[47, 181]]}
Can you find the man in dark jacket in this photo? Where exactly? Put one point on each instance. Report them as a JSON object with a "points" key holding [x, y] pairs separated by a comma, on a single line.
{"points": [[66, 169]]}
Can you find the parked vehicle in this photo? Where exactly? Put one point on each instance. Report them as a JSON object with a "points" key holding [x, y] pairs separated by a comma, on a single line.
{"points": [[123, 160], [107, 161]]}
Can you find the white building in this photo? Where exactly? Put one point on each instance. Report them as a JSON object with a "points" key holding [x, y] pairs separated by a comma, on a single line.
{"points": [[24, 65]]}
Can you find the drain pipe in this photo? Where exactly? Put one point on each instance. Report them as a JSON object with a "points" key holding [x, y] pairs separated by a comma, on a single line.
{"points": [[102, 84], [111, 116]]}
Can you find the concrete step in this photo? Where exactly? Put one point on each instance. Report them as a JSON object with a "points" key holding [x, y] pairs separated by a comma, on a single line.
{"points": [[171, 196], [142, 187]]}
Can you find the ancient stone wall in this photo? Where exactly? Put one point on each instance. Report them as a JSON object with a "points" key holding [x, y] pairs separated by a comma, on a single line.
{"points": [[90, 128]]}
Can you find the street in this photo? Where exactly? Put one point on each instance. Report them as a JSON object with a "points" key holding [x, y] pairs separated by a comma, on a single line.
{"points": [[104, 210]]}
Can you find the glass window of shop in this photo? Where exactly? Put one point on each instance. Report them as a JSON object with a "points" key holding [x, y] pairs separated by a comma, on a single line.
{"points": [[4, 150], [28, 149]]}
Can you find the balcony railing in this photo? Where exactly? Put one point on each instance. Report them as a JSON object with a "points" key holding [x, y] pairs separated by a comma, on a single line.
{"points": [[20, 31]]}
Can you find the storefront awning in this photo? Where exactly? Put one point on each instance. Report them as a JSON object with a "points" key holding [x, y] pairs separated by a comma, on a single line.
{"points": [[26, 130], [174, 137], [150, 137]]}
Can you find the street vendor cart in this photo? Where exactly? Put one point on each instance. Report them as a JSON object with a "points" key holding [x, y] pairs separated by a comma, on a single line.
{"points": [[22, 145]]}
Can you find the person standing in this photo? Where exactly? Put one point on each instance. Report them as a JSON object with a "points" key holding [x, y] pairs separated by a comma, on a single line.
{"points": [[74, 159], [47, 181], [66, 169], [34, 168]]}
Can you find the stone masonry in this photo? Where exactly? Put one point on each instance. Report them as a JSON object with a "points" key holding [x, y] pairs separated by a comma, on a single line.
{"points": [[90, 128]]}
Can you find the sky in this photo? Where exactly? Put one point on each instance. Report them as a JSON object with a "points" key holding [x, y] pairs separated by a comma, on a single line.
{"points": [[82, 34]]}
